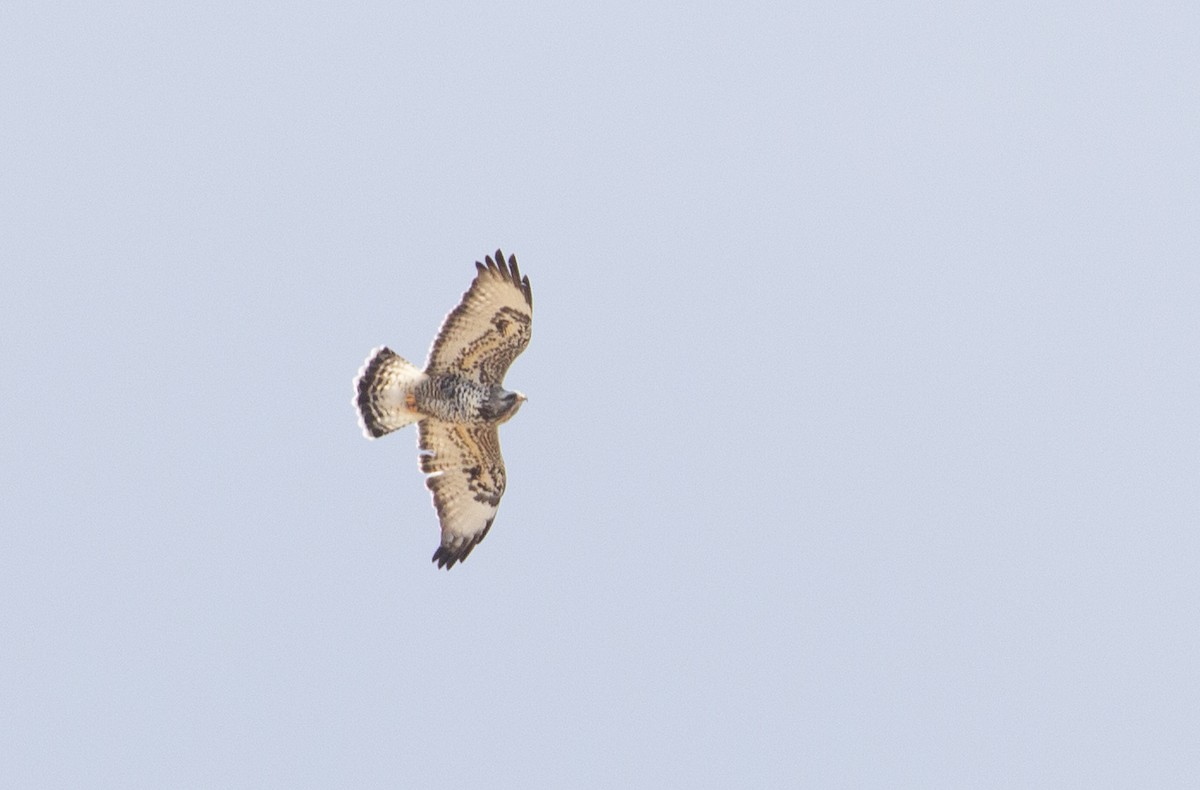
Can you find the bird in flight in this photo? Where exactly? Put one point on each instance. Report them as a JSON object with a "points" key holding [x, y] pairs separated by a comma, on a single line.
{"points": [[458, 401]]}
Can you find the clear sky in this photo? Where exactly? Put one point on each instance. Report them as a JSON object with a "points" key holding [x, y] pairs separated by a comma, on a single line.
{"points": [[862, 443]]}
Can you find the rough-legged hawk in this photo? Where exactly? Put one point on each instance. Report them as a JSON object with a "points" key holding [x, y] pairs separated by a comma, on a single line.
{"points": [[458, 402]]}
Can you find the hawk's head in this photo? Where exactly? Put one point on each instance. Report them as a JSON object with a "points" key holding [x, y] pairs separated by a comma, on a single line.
{"points": [[500, 405]]}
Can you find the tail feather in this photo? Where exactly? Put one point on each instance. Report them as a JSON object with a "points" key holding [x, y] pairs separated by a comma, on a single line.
{"points": [[381, 390]]}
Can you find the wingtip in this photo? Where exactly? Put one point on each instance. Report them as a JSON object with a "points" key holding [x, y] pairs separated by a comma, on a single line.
{"points": [[444, 558], [493, 264], [507, 269], [447, 556]]}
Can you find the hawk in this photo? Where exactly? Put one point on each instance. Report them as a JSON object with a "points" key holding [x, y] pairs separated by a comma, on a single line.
{"points": [[458, 402]]}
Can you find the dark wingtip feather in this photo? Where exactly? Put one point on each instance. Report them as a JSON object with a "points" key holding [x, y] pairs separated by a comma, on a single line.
{"points": [[514, 273], [446, 556], [508, 270]]}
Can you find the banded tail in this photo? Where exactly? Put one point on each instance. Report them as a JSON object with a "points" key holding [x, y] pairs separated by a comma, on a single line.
{"points": [[382, 392]]}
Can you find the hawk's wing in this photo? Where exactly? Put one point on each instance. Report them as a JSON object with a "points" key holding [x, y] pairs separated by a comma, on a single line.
{"points": [[491, 325], [466, 476]]}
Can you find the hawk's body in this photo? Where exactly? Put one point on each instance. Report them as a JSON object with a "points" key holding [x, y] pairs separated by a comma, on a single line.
{"points": [[458, 401]]}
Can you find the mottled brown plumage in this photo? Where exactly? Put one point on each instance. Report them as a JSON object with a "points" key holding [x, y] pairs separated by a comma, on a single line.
{"points": [[458, 402]]}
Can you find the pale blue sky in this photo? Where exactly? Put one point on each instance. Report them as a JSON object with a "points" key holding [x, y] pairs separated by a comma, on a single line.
{"points": [[862, 443]]}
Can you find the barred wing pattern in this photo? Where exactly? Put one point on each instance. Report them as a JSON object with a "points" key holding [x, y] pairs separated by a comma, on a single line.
{"points": [[466, 476], [490, 327]]}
